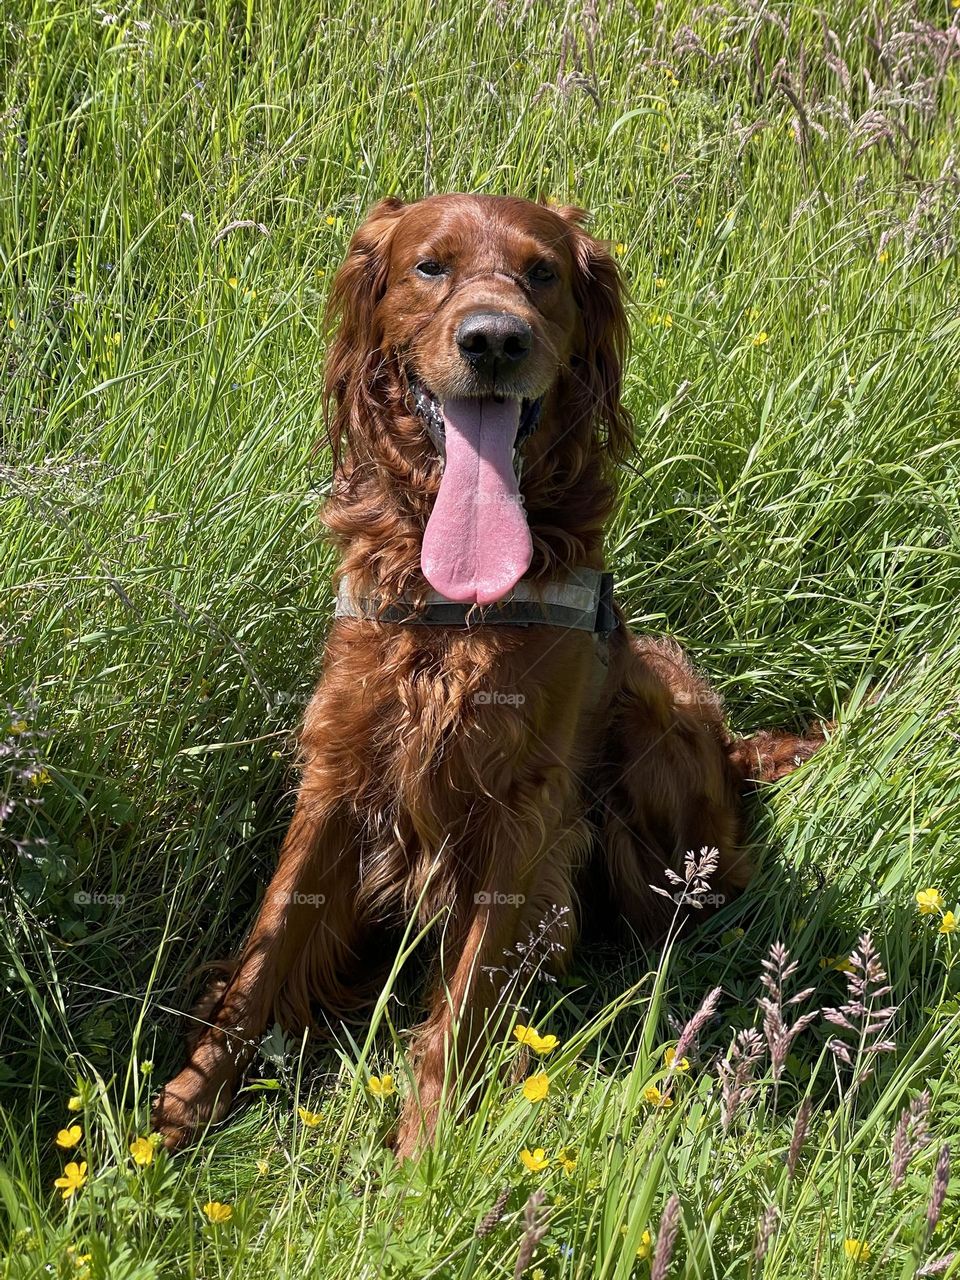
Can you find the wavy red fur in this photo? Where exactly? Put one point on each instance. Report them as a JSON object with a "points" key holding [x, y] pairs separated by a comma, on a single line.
{"points": [[421, 791]]}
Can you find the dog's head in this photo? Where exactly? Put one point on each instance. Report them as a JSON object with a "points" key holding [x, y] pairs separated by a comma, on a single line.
{"points": [[486, 323]]}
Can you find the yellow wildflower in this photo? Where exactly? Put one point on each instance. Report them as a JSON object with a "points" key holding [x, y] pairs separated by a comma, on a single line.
{"points": [[535, 1089], [949, 923], [217, 1212], [233, 282], [883, 256], [142, 1151], [656, 1099], [68, 1138], [331, 220], [381, 1086], [930, 902], [670, 1060], [75, 1103], [535, 1161], [620, 249], [567, 1160], [856, 1250], [646, 1243], [533, 1040], [310, 1118], [74, 1177], [761, 338], [17, 727], [263, 1168]]}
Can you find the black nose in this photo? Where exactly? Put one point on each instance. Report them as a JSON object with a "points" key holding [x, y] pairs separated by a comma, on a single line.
{"points": [[487, 338]]}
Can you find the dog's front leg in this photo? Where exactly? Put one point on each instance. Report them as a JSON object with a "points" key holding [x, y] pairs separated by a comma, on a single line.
{"points": [[308, 914], [521, 890]]}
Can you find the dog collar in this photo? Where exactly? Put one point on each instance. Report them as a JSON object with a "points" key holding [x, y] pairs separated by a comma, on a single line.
{"points": [[582, 600]]}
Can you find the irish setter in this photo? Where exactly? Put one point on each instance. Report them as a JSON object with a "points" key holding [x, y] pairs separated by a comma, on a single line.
{"points": [[481, 766]]}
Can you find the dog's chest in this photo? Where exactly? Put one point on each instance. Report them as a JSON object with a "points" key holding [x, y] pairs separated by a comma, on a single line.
{"points": [[467, 726]]}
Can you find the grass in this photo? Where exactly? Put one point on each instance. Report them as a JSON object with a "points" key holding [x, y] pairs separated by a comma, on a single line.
{"points": [[178, 185]]}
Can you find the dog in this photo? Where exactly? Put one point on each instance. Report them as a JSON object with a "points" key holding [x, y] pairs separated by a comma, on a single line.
{"points": [[489, 745]]}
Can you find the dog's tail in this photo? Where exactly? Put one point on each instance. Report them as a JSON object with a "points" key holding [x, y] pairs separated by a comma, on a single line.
{"points": [[770, 754]]}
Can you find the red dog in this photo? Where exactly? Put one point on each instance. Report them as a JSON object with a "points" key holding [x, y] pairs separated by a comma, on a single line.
{"points": [[488, 742]]}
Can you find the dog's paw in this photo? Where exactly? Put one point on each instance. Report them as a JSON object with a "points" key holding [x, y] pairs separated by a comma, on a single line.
{"points": [[418, 1121], [409, 1140], [187, 1105]]}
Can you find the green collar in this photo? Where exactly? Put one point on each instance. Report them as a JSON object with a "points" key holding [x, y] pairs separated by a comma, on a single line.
{"points": [[582, 599]]}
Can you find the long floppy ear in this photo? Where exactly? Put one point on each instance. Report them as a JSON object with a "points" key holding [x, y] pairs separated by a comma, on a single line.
{"points": [[600, 294], [358, 287]]}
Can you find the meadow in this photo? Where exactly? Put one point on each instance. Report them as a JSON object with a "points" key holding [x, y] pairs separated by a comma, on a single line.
{"points": [[781, 185]]}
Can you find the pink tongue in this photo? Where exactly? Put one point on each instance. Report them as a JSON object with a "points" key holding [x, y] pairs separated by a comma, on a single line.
{"points": [[476, 546]]}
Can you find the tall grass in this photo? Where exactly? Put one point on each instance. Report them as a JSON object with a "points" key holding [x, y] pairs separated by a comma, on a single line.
{"points": [[782, 186]]}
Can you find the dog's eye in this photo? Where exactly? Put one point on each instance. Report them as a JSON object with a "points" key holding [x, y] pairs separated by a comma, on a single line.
{"points": [[541, 273], [430, 268]]}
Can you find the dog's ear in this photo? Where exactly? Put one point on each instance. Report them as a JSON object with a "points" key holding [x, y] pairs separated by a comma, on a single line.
{"points": [[602, 351], [573, 214], [358, 287]]}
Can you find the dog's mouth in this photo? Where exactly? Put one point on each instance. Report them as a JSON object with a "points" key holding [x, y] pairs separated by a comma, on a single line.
{"points": [[429, 410], [477, 544]]}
